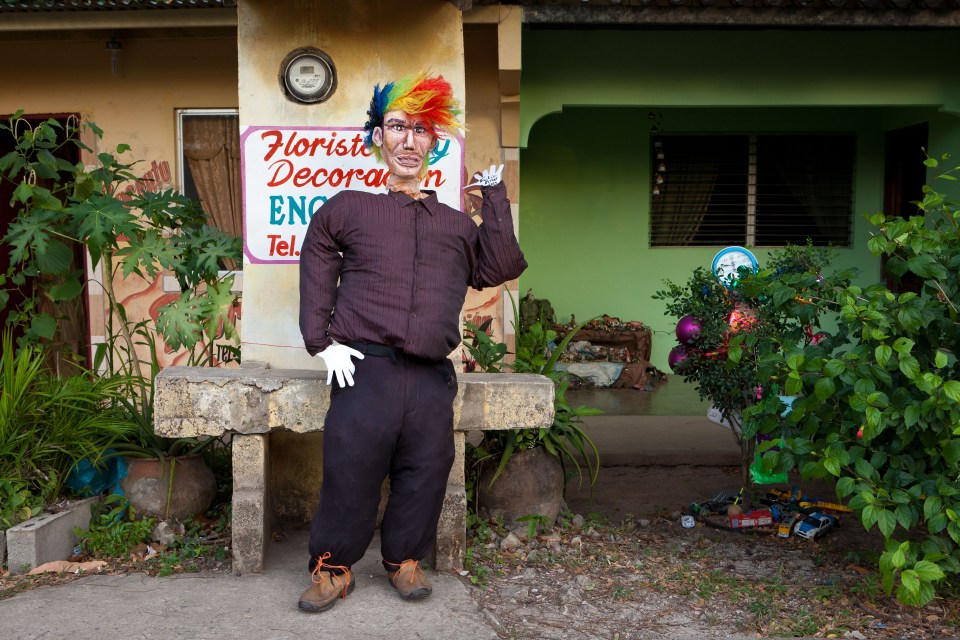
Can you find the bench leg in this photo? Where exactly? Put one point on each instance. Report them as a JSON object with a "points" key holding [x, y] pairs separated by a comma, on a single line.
{"points": [[251, 508], [452, 529]]}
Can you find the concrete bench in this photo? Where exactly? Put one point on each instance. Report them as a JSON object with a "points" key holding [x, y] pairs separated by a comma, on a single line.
{"points": [[252, 403]]}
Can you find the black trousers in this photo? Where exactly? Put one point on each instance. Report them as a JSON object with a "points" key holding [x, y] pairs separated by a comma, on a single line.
{"points": [[396, 421]]}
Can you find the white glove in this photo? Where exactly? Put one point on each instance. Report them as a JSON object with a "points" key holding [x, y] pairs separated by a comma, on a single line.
{"points": [[488, 178], [337, 358]]}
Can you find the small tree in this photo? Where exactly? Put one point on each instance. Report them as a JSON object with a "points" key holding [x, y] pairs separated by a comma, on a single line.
{"points": [[738, 332]]}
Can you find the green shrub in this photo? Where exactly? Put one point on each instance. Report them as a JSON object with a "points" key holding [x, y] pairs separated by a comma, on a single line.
{"points": [[48, 424]]}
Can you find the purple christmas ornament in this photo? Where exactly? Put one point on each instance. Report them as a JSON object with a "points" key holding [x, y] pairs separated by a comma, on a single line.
{"points": [[688, 330], [678, 357]]}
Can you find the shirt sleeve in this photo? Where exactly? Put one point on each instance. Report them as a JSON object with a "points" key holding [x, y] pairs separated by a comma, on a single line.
{"points": [[320, 262], [499, 258]]}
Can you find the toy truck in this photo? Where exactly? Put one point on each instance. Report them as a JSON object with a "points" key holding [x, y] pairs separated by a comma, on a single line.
{"points": [[755, 518], [785, 528]]}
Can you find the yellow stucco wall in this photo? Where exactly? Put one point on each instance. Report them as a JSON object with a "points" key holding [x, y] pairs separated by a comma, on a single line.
{"points": [[370, 42], [72, 74]]}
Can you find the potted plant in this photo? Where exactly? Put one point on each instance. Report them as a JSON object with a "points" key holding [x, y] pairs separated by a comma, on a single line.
{"points": [[522, 472], [144, 234]]}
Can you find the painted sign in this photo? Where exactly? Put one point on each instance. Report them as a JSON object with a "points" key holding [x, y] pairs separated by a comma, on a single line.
{"points": [[289, 172]]}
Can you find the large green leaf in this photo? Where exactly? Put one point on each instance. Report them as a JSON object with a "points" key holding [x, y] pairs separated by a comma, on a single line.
{"points": [[44, 325], [180, 322], [56, 260], [102, 220], [66, 290]]}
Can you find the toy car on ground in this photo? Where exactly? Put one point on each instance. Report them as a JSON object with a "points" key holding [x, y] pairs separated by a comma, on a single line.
{"points": [[815, 525], [785, 528]]}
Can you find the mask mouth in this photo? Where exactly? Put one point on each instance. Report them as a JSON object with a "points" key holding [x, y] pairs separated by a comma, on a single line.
{"points": [[409, 161]]}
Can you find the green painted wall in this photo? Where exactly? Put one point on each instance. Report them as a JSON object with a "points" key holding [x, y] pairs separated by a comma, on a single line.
{"points": [[585, 187]]}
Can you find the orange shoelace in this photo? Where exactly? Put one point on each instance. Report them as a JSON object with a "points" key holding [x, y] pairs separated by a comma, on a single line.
{"points": [[407, 563], [321, 563]]}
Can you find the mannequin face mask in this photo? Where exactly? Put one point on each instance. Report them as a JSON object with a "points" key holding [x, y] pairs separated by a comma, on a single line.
{"points": [[404, 119], [405, 142]]}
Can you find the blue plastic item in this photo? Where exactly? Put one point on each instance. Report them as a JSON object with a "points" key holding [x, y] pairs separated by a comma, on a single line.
{"points": [[87, 479]]}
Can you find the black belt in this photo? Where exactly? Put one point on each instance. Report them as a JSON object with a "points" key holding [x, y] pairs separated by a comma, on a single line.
{"points": [[395, 354]]}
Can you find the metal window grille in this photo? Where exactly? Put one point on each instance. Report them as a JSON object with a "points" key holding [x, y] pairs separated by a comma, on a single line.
{"points": [[757, 190]]}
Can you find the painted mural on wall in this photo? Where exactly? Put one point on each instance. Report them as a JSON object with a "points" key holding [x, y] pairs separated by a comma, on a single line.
{"points": [[289, 172]]}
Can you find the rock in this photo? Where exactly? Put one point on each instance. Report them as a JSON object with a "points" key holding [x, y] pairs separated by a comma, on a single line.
{"points": [[532, 556], [578, 521], [509, 542], [166, 533], [586, 583], [512, 591], [551, 538], [529, 574], [576, 542], [491, 618], [643, 522], [854, 634]]}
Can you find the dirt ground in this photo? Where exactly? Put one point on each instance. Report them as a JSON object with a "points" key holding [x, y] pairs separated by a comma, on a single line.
{"points": [[623, 491], [619, 566]]}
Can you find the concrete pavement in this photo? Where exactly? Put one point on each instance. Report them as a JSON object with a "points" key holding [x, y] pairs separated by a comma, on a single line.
{"points": [[205, 606]]}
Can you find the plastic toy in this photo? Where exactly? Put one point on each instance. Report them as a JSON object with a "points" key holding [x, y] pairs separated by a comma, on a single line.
{"points": [[815, 525], [822, 505], [755, 518], [785, 528]]}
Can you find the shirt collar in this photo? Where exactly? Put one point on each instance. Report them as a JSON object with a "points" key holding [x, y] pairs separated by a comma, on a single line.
{"points": [[430, 202]]}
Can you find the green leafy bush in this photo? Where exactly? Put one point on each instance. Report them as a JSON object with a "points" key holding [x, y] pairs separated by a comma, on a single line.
{"points": [[48, 424], [879, 399]]}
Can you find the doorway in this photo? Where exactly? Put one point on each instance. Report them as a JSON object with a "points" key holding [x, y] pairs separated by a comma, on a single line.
{"points": [[904, 175], [72, 337]]}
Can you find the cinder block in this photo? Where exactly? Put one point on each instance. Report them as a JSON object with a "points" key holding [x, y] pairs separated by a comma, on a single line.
{"points": [[46, 537], [251, 455], [249, 526], [251, 517]]}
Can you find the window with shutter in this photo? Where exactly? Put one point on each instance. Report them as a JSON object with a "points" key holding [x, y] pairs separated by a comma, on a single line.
{"points": [[754, 190]]}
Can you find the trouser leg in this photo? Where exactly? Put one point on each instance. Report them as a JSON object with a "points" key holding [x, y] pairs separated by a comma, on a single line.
{"points": [[421, 464], [358, 440]]}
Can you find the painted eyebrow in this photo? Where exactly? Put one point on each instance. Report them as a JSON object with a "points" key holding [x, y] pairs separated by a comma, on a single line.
{"points": [[403, 121]]}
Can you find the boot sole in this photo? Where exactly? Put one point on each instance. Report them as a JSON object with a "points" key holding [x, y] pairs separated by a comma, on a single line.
{"points": [[309, 607]]}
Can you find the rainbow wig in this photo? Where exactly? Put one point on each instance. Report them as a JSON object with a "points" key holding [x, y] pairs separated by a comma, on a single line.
{"points": [[430, 98]]}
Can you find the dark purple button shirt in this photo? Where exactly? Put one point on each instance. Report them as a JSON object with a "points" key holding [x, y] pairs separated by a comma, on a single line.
{"points": [[404, 271]]}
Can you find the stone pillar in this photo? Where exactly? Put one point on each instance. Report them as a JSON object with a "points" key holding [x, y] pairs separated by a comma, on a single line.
{"points": [[251, 502]]}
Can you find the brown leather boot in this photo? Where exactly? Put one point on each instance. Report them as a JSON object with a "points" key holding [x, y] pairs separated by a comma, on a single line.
{"points": [[326, 588], [410, 581]]}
